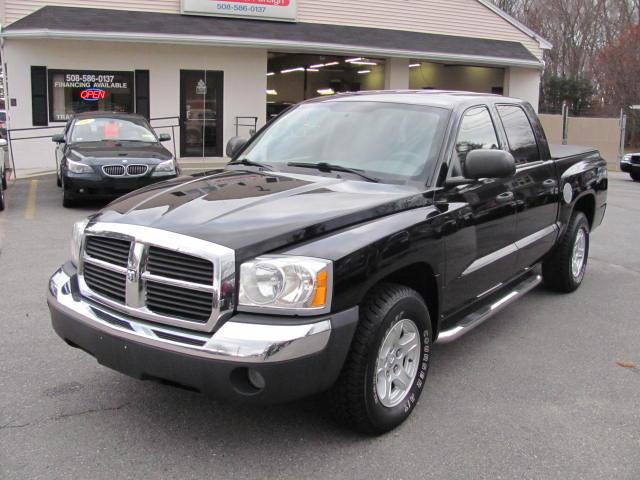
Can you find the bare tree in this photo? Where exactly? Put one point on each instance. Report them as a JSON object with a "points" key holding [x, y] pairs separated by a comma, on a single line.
{"points": [[579, 30]]}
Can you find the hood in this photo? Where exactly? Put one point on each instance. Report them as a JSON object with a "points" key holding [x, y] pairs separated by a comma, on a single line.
{"points": [[99, 152], [254, 213]]}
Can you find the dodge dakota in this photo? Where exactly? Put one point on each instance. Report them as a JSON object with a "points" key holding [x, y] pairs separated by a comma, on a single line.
{"points": [[343, 239]]}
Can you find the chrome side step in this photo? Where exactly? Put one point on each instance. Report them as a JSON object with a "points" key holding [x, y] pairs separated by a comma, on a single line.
{"points": [[471, 321]]}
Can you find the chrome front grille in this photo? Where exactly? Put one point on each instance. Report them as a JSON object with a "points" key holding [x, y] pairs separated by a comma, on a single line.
{"points": [[158, 276], [110, 250], [106, 282], [136, 170], [178, 302], [172, 264], [114, 170]]}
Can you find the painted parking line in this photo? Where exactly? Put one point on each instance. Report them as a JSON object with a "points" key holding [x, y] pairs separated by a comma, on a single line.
{"points": [[30, 209]]}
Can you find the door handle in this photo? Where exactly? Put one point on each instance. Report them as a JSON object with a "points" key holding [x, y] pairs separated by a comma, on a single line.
{"points": [[505, 197]]}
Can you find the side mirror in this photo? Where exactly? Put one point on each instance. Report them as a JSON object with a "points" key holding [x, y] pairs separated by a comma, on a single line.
{"points": [[489, 164], [3, 142], [164, 137], [59, 138], [235, 145]]}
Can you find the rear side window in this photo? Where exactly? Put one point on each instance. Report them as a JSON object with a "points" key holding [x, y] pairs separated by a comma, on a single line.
{"points": [[522, 140]]}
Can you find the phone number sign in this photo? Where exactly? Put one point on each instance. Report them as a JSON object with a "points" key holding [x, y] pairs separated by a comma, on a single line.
{"points": [[265, 9]]}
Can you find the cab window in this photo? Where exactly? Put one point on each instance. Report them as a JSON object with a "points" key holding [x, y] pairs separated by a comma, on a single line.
{"points": [[476, 132], [522, 140]]}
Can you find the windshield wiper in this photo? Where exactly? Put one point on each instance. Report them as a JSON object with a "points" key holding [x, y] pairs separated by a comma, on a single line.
{"points": [[330, 167], [251, 163]]}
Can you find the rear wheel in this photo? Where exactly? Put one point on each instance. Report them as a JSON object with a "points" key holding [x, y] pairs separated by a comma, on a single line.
{"points": [[635, 176], [564, 270], [386, 369]]}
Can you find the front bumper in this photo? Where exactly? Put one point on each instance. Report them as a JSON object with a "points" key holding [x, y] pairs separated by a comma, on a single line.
{"points": [[95, 185], [291, 359], [629, 167]]}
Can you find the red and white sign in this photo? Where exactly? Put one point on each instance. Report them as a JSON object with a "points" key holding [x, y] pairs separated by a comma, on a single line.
{"points": [[263, 9]]}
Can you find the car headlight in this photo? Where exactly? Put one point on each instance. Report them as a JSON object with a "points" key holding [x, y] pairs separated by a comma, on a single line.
{"points": [[166, 167], [76, 240], [288, 284], [626, 158], [77, 167]]}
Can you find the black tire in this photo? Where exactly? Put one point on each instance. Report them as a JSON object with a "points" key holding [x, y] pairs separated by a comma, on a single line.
{"points": [[68, 199], [58, 181], [557, 270], [4, 180], [354, 397], [635, 176], [1, 197]]}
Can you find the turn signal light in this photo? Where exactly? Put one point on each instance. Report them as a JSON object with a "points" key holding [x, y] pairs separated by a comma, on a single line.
{"points": [[320, 298]]}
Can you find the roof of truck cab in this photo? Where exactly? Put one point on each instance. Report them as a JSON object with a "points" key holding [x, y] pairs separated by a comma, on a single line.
{"points": [[435, 98]]}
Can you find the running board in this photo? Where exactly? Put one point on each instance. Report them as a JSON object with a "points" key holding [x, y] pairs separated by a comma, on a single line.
{"points": [[471, 321]]}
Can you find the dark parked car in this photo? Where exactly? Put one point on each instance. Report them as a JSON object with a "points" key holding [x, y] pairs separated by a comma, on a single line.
{"points": [[108, 154], [630, 164], [345, 238], [4, 165]]}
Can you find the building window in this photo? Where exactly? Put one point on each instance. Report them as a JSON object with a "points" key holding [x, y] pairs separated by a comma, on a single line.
{"points": [[75, 91]]}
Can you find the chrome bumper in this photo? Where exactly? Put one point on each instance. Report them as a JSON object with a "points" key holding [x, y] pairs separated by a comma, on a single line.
{"points": [[235, 341]]}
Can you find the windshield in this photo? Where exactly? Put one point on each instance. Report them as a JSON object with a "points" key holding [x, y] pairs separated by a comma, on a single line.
{"points": [[105, 128], [391, 141]]}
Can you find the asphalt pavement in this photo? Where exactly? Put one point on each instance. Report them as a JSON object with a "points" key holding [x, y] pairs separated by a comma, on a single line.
{"points": [[534, 393]]}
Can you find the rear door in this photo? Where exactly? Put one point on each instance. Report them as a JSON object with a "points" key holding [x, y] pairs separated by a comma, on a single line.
{"points": [[480, 236], [535, 184]]}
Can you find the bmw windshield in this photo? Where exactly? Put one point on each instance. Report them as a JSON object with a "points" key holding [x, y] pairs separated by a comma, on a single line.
{"points": [[100, 129], [390, 142]]}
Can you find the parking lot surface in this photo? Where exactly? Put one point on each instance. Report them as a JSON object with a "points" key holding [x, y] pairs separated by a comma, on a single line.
{"points": [[537, 392]]}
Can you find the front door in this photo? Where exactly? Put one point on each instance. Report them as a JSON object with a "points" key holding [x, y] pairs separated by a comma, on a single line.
{"points": [[480, 236], [201, 113]]}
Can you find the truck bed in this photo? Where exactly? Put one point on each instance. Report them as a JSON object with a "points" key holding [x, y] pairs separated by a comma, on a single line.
{"points": [[563, 151]]}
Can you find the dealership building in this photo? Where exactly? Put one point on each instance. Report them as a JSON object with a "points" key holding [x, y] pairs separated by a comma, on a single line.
{"points": [[206, 70]]}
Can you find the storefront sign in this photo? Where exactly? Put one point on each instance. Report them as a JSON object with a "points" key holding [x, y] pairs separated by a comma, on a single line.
{"points": [[201, 88], [75, 91], [93, 94], [263, 9]]}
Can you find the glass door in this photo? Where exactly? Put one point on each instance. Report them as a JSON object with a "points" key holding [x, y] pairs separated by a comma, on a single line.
{"points": [[201, 113]]}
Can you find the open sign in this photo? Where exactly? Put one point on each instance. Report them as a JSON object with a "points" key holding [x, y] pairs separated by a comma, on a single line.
{"points": [[93, 94]]}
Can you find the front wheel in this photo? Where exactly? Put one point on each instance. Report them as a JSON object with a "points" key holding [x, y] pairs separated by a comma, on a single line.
{"points": [[635, 176], [386, 369], [68, 199], [1, 197], [564, 269]]}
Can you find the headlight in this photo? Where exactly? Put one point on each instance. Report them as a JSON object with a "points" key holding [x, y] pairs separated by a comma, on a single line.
{"points": [[626, 158], [166, 167], [77, 167], [76, 240], [290, 284]]}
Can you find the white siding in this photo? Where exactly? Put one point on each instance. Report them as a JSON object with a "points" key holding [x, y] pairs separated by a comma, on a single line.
{"points": [[16, 9], [448, 17]]}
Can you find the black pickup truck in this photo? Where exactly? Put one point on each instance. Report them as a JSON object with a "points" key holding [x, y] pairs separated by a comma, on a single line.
{"points": [[344, 239]]}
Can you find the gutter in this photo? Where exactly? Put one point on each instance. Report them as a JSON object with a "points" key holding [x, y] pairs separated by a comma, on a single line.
{"points": [[310, 47]]}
